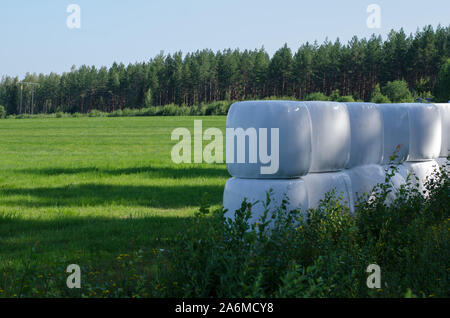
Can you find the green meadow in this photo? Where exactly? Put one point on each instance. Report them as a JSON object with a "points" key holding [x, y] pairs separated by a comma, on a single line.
{"points": [[89, 189]]}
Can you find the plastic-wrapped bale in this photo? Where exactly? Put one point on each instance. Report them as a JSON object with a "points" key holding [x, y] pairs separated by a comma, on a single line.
{"points": [[399, 177], [364, 179], [330, 136], [318, 184], [444, 110], [290, 158], [395, 131], [423, 171], [236, 190], [366, 125], [425, 132]]}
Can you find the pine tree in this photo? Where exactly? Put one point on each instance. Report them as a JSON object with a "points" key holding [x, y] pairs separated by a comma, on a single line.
{"points": [[442, 91]]}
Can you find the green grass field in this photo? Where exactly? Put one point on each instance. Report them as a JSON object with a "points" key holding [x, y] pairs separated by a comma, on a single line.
{"points": [[89, 189]]}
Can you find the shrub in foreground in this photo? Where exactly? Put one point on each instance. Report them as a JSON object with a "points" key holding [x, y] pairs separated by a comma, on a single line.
{"points": [[322, 254]]}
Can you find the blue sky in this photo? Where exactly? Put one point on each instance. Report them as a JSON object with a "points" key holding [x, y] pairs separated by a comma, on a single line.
{"points": [[35, 38]]}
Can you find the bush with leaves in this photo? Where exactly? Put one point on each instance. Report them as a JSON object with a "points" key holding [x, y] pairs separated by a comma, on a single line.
{"points": [[398, 92], [336, 96], [323, 252], [378, 97], [316, 96]]}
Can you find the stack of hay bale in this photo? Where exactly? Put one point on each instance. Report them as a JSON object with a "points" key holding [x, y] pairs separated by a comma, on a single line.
{"points": [[425, 139], [329, 145], [367, 147], [295, 156]]}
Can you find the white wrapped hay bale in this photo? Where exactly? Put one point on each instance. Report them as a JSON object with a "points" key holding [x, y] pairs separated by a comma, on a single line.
{"points": [[236, 190], [364, 179], [330, 136], [423, 171], [395, 131], [444, 110], [318, 184], [290, 151], [366, 124], [425, 132], [399, 177]]}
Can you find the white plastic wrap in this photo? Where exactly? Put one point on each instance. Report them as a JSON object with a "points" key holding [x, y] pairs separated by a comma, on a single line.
{"points": [[366, 124], [425, 132], [330, 136], [421, 170], [318, 184], [364, 179], [237, 189], [444, 110], [294, 124], [399, 177], [396, 131], [323, 138]]}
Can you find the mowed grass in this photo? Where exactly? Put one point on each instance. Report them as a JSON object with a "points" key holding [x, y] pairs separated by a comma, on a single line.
{"points": [[89, 189]]}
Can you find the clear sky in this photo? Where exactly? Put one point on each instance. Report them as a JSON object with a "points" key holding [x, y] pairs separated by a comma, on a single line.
{"points": [[35, 38]]}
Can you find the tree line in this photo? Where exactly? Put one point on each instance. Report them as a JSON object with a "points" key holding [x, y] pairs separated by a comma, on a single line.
{"points": [[353, 69]]}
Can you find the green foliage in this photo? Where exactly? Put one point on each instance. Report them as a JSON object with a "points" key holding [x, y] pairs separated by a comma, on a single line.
{"points": [[204, 77], [96, 113], [378, 97], [212, 109], [398, 92], [346, 99], [148, 100], [423, 86], [2, 112], [316, 96], [423, 96], [442, 88], [335, 95]]}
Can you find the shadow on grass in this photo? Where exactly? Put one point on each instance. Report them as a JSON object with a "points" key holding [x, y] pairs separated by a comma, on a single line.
{"points": [[103, 194], [159, 172], [76, 236]]}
